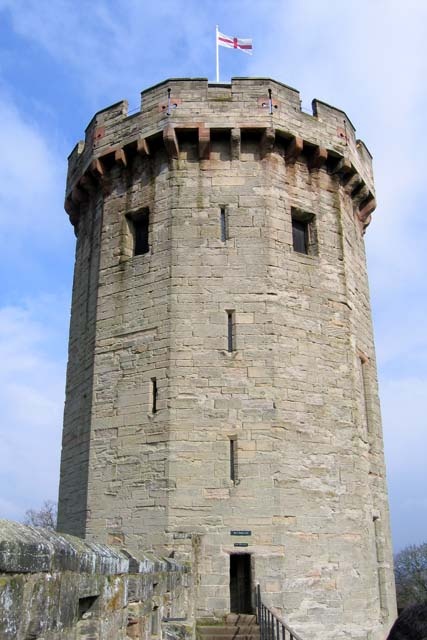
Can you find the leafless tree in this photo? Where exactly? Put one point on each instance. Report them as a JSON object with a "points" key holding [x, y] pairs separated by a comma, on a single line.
{"points": [[44, 517], [410, 568]]}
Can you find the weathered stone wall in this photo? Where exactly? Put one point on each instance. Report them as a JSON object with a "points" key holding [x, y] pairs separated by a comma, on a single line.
{"points": [[297, 394], [58, 587]]}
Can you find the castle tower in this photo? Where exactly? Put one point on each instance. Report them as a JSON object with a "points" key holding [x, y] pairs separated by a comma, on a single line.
{"points": [[222, 400]]}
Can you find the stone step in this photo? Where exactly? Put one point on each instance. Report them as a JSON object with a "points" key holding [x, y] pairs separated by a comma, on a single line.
{"points": [[230, 636], [240, 618], [227, 632], [237, 626]]}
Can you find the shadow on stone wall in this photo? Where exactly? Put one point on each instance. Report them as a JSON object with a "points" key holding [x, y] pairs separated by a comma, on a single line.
{"points": [[55, 586]]}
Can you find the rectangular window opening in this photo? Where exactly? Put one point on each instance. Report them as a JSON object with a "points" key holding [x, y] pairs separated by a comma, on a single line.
{"points": [[139, 223], [230, 331], [300, 236], [224, 225], [154, 395], [304, 239], [233, 459]]}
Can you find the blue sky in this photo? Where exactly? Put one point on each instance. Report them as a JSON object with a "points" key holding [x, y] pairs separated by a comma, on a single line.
{"points": [[62, 61]]}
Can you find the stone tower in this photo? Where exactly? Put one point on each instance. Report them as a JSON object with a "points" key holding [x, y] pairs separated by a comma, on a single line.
{"points": [[222, 398]]}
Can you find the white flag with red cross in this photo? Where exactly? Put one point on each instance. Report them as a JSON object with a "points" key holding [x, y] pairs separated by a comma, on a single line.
{"points": [[244, 45], [222, 40]]}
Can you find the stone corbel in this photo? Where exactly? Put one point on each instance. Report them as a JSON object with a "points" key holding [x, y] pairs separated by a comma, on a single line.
{"points": [[73, 211], [351, 182], [235, 143], [171, 142], [294, 150], [204, 143], [343, 169], [360, 194], [97, 168], [318, 158], [120, 157], [366, 208], [142, 147], [267, 141]]}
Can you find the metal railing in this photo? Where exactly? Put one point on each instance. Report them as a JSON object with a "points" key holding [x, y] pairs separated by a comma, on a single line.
{"points": [[271, 626]]}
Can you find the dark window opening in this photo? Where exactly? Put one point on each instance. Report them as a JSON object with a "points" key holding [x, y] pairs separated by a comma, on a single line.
{"points": [[304, 235], [140, 227], [224, 226], [153, 395], [86, 605], [233, 459], [300, 235], [365, 393], [240, 583], [230, 332]]}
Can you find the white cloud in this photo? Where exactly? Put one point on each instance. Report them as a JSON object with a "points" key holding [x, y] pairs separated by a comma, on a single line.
{"points": [[32, 175], [34, 235], [31, 397], [113, 47], [36, 241]]}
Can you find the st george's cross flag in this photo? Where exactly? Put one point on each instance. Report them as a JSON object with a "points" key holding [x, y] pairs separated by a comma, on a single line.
{"points": [[234, 43]]}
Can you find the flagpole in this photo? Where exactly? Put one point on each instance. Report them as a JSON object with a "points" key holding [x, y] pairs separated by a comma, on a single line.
{"points": [[217, 54]]}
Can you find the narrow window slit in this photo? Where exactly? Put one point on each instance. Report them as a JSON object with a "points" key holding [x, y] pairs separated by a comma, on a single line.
{"points": [[233, 459], [153, 395], [365, 393], [224, 226], [230, 331], [379, 546]]}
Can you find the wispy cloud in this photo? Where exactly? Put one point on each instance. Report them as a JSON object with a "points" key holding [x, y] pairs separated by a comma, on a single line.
{"points": [[31, 396], [35, 243], [369, 60], [34, 238], [116, 47]]}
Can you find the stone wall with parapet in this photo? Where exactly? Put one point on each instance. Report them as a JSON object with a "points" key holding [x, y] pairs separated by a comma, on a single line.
{"points": [[55, 586], [169, 110]]}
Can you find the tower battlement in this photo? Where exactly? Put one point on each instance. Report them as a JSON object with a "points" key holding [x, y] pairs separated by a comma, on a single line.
{"points": [[176, 107], [222, 400]]}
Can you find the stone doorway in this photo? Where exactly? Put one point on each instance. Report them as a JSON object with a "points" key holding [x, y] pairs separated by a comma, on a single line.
{"points": [[240, 583]]}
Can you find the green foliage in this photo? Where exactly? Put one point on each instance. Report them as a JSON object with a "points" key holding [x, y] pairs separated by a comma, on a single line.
{"points": [[410, 569]]}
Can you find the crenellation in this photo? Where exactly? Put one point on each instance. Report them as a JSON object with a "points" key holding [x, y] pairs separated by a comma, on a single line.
{"points": [[112, 136]]}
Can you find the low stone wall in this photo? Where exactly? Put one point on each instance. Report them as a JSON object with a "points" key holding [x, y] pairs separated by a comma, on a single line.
{"points": [[55, 586]]}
